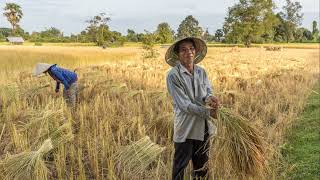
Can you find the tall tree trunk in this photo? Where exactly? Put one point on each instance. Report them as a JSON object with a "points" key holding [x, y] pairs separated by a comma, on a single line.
{"points": [[247, 41], [13, 30]]}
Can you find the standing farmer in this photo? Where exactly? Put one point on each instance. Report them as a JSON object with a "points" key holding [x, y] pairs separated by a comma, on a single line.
{"points": [[66, 77], [190, 89]]}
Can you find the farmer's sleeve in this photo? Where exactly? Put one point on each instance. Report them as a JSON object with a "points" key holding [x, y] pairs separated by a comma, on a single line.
{"points": [[58, 74], [182, 100], [207, 85]]}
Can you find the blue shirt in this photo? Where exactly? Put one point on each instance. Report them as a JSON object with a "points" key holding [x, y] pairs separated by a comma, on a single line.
{"points": [[189, 92], [64, 76]]}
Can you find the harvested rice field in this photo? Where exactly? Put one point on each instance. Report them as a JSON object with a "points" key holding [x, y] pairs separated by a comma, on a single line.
{"points": [[122, 127]]}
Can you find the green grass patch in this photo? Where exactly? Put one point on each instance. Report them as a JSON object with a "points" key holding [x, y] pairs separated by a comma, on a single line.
{"points": [[301, 151]]}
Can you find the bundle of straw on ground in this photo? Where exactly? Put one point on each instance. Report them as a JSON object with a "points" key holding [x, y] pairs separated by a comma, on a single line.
{"points": [[238, 147], [31, 165], [27, 165], [135, 158]]}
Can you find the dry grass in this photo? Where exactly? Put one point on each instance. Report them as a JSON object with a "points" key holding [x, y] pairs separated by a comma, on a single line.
{"points": [[238, 148], [123, 100], [27, 165], [135, 158]]}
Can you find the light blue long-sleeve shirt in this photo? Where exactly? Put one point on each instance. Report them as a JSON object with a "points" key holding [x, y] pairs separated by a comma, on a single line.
{"points": [[189, 92]]}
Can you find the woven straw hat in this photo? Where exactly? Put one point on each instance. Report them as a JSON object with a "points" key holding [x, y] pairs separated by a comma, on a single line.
{"points": [[41, 68], [201, 50]]}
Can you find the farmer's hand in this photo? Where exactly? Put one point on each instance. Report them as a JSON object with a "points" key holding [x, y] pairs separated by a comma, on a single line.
{"points": [[213, 102], [68, 93], [213, 113]]}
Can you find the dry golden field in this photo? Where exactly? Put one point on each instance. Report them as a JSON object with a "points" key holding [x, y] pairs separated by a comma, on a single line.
{"points": [[123, 98]]}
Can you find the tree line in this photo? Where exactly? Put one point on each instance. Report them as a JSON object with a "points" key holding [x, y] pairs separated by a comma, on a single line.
{"points": [[247, 22]]}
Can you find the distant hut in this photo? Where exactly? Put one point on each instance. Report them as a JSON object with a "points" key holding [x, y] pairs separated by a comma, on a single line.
{"points": [[15, 40]]}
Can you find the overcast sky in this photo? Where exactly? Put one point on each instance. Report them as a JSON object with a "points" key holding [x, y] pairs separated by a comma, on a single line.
{"points": [[70, 15]]}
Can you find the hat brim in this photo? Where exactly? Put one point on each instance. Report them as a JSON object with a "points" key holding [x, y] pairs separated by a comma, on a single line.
{"points": [[41, 68], [201, 50]]}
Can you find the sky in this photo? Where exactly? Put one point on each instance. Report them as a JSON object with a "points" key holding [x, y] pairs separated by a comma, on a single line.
{"points": [[70, 15]]}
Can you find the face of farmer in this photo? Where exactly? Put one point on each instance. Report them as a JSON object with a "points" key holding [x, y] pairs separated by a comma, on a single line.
{"points": [[186, 53]]}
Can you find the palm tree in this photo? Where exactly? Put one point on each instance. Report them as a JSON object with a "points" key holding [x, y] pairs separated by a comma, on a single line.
{"points": [[13, 13]]}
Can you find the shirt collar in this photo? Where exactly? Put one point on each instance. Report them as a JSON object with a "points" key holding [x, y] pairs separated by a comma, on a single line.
{"points": [[184, 69]]}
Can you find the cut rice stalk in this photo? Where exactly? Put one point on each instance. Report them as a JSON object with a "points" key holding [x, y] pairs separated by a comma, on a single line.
{"points": [[239, 147]]}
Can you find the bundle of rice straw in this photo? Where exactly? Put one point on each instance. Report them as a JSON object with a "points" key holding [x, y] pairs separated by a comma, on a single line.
{"points": [[59, 136], [135, 158], [30, 164], [238, 147], [27, 165]]}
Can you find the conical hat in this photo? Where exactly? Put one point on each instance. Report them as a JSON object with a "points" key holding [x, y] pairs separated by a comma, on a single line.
{"points": [[41, 68], [201, 50]]}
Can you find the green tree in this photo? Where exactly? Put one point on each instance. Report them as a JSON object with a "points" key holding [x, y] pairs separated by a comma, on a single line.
{"points": [[13, 13], [140, 37], [114, 38], [131, 36], [302, 34], [51, 32], [49, 35], [98, 29], [315, 30], [2, 38], [298, 35], [164, 33], [5, 31], [20, 32], [189, 27], [307, 34], [148, 44], [270, 22], [291, 18], [248, 20], [279, 30], [219, 34], [104, 35], [35, 37], [83, 37]]}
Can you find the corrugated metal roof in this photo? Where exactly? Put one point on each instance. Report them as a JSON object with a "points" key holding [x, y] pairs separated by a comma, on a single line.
{"points": [[15, 39]]}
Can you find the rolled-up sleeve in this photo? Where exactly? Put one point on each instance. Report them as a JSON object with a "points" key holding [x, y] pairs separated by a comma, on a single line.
{"points": [[182, 100]]}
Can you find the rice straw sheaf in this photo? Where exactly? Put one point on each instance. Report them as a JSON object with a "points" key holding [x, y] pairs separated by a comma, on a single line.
{"points": [[135, 158], [27, 165], [238, 147]]}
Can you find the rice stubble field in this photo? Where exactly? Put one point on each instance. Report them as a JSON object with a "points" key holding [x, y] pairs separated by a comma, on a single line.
{"points": [[123, 99]]}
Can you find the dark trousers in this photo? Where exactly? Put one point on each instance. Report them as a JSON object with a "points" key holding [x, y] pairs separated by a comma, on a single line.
{"points": [[194, 150]]}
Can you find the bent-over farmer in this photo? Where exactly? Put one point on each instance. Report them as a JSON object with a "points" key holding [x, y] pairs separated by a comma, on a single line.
{"points": [[66, 77], [190, 89]]}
